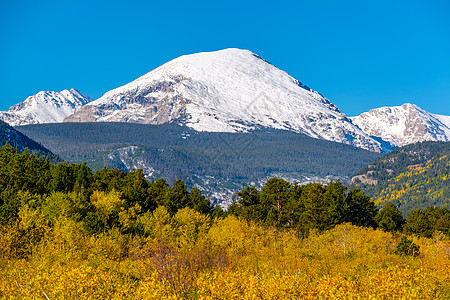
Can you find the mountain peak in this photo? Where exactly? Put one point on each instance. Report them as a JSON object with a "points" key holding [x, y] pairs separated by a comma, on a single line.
{"points": [[405, 124], [45, 107], [230, 90], [408, 105]]}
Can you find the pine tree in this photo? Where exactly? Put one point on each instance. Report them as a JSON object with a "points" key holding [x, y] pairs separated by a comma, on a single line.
{"points": [[390, 218]]}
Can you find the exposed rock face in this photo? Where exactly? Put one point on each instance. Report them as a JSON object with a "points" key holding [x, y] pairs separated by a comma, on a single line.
{"points": [[156, 103], [406, 124], [231, 90], [365, 178], [45, 107]]}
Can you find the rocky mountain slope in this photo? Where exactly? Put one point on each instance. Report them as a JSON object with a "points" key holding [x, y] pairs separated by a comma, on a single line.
{"points": [[45, 107], [231, 90], [403, 125]]}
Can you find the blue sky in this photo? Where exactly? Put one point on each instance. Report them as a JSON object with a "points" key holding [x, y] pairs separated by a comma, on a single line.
{"points": [[359, 54]]}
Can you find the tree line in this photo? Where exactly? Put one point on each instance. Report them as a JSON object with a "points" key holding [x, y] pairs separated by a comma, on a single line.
{"points": [[110, 198], [317, 206]]}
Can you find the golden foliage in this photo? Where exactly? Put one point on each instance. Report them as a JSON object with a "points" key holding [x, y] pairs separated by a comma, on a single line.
{"points": [[106, 203], [190, 256]]}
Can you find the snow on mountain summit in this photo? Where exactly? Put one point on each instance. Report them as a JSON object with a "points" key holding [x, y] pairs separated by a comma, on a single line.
{"points": [[45, 107], [230, 90], [405, 124]]}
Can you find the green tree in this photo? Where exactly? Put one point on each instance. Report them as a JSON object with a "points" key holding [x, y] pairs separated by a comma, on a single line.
{"points": [[417, 223], [199, 202], [84, 176], [248, 205], [157, 192], [390, 218], [335, 196], [93, 223], [443, 224], [361, 209], [407, 247], [63, 178], [177, 197], [135, 190], [426, 222], [274, 197], [317, 211]]}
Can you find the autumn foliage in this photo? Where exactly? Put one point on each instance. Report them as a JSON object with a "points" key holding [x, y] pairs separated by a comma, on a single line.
{"points": [[191, 256]]}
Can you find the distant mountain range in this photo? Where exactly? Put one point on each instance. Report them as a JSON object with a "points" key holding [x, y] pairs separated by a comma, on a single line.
{"points": [[233, 90]]}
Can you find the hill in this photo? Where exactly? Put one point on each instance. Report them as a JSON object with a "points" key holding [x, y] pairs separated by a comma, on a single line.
{"points": [[413, 176], [20, 141]]}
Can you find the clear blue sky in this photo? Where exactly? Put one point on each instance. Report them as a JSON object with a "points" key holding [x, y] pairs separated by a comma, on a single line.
{"points": [[359, 54]]}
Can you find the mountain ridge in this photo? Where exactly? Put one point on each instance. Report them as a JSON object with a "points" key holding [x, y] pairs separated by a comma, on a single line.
{"points": [[20, 141], [233, 90]]}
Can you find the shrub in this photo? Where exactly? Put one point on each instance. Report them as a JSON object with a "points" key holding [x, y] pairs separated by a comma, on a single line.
{"points": [[407, 247]]}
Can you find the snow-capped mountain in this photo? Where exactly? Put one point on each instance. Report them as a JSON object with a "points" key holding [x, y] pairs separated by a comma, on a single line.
{"points": [[45, 107], [231, 90], [406, 124]]}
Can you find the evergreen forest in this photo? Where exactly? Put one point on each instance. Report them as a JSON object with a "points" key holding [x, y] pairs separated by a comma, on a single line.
{"points": [[20, 141]]}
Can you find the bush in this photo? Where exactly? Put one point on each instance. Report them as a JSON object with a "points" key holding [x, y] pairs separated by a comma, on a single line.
{"points": [[407, 247]]}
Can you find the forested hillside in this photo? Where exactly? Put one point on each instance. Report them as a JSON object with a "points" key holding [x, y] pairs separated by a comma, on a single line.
{"points": [[218, 163], [264, 150], [20, 141], [69, 232], [414, 176]]}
